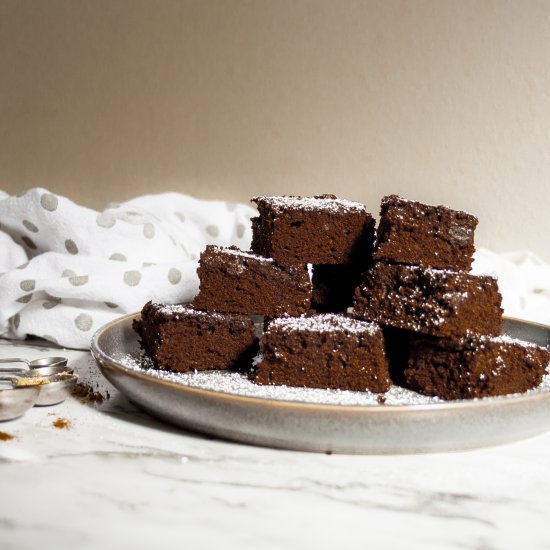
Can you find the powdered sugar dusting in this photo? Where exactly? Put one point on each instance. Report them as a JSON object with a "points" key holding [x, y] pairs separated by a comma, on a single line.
{"points": [[442, 276], [458, 277], [240, 253], [282, 203], [504, 339], [177, 311], [396, 200], [326, 322], [235, 383]]}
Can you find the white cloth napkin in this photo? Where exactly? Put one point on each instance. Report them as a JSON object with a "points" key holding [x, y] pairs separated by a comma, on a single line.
{"points": [[523, 280], [67, 270]]}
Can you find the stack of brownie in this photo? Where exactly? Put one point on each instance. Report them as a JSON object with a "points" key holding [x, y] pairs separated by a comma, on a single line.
{"points": [[441, 322], [294, 237], [418, 316], [333, 239], [294, 240]]}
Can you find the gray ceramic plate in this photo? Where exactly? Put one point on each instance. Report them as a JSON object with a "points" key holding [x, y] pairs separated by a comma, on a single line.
{"points": [[277, 421]]}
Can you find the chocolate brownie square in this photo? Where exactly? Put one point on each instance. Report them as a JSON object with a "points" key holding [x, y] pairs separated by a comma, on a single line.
{"points": [[430, 301], [180, 338], [474, 366], [233, 281], [324, 351], [312, 230], [414, 233]]}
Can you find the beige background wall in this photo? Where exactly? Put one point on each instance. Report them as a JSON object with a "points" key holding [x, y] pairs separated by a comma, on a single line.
{"points": [[443, 101]]}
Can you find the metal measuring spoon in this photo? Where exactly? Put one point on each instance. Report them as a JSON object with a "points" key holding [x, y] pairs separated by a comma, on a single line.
{"points": [[42, 362], [58, 389], [35, 371], [54, 383], [16, 401]]}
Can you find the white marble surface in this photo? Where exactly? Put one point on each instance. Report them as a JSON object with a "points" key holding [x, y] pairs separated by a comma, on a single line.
{"points": [[121, 479]]}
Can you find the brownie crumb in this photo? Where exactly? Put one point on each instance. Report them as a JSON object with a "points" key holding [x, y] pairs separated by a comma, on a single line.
{"points": [[87, 395], [381, 399], [5, 436]]}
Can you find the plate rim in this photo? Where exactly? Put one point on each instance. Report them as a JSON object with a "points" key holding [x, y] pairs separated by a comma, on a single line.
{"points": [[106, 362]]}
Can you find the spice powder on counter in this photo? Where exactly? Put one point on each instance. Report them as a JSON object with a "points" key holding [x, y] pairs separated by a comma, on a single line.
{"points": [[61, 423]]}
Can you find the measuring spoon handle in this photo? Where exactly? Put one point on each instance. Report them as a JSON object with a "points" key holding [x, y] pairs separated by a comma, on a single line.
{"points": [[15, 360], [13, 370]]}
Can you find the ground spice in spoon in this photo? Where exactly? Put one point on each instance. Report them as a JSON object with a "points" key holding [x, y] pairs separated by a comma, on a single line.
{"points": [[35, 380]]}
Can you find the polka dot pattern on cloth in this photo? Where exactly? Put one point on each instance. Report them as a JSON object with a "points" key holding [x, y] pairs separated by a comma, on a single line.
{"points": [[132, 278], [213, 230], [71, 247], [148, 230], [49, 202], [78, 280], [118, 257], [174, 276], [84, 322], [69, 269], [27, 285], [106, 220], [30, 226], [29, 242]]}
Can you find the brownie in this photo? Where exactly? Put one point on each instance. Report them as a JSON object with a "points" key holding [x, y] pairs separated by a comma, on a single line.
{"points": [[324, 351], [430, 301], [414, 233], [314, 230], [474, 366], [232, 281], [180, 338], [334, 286]]}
